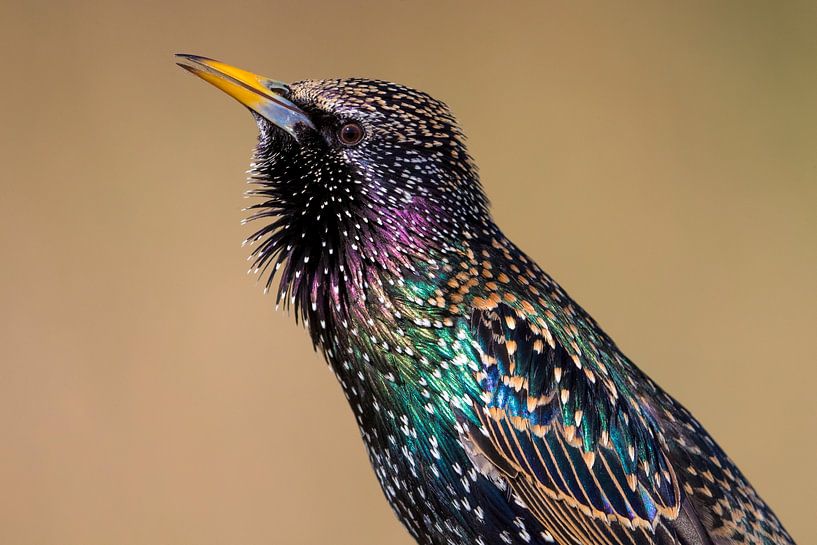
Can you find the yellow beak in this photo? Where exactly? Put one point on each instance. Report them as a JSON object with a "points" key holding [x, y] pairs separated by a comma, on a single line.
{"points": [[264, 96]]}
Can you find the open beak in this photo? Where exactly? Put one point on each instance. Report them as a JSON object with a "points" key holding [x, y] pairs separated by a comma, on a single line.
{"points": [[264, 96]]}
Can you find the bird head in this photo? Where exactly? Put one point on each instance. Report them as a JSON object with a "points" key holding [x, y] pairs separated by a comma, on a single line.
{"points": [[355, 177]]}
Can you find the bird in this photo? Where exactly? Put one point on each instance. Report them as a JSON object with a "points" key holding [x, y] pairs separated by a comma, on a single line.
{"points": [[493, 408]]}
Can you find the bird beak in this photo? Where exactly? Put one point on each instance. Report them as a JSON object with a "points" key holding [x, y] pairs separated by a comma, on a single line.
{"points": [[264, 96]]}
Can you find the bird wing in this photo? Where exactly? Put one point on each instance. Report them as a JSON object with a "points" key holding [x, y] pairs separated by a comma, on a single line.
{"points": [[567, 434]]}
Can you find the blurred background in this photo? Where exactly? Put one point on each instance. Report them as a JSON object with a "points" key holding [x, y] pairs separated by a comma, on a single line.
{"points": [[659, 160]]}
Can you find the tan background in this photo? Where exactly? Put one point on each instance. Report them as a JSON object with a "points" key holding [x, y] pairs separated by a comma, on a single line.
{"points": [[659, 161]]}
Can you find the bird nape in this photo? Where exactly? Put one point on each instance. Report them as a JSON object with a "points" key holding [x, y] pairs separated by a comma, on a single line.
{"points": [[493, 407]]}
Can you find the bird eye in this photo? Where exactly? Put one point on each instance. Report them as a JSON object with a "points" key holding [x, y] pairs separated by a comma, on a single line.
{"points": [[350, 133]]}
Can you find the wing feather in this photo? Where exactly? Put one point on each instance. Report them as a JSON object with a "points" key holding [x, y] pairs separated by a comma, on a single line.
{"points": [[588, 462]]}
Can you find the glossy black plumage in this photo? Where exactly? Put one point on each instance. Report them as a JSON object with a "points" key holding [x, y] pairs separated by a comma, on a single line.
{"points": [[493, 408]]}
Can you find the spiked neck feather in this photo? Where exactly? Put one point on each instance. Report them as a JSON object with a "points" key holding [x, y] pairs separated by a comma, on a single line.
{"points": [[337, 237]]}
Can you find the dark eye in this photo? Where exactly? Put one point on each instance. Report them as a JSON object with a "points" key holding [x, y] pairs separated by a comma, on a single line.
{"points": [[350, 133]]}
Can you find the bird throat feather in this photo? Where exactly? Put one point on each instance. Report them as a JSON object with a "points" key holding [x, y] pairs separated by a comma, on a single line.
{"points": [[333, 235]]}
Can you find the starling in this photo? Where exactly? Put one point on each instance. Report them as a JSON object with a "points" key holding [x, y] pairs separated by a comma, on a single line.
{"points": [[494, 409]]}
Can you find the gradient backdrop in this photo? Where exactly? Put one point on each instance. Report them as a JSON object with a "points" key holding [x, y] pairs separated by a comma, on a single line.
{"points": [[658, 160]]}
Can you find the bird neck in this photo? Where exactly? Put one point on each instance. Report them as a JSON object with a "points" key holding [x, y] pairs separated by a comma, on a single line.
{"points": [[401, 316], [368, 257]]}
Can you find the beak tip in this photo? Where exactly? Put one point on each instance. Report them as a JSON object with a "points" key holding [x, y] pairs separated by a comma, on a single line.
{"points": [[192, 57], [265, 97]]}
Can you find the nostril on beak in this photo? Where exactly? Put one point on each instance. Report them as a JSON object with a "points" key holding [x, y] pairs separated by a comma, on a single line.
{"points": [[278, 88]]}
